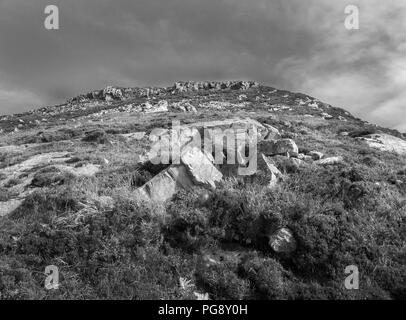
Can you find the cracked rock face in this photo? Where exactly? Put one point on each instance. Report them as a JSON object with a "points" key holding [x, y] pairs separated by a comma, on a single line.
{"points": [[329, 161], [279, 147]]}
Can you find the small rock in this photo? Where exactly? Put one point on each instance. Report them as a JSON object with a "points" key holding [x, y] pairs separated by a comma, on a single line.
{"points": [[316, 155], [165, 185], [327, 116]]}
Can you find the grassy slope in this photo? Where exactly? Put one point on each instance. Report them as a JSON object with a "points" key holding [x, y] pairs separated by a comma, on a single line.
{"points": [[349, 214]]}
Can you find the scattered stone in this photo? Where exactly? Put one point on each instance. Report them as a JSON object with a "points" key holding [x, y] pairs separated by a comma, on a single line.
{"points": [[327, 116], [330, 161], [87, 170], [201, 168]]}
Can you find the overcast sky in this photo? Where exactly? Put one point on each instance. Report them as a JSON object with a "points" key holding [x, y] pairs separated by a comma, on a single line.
{"points": [[296, 45]]}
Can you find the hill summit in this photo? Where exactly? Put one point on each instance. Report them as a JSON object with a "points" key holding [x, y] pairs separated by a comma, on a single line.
{"points": [[214, 190]]}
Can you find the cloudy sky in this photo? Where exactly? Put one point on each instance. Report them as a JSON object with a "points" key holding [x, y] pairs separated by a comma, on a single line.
{"points": [[296, 45]]}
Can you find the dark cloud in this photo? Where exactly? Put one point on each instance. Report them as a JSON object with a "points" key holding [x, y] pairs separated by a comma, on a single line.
{"points": [[296, 45]]}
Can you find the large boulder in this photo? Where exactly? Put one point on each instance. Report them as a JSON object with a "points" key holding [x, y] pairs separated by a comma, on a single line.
{"points": [[196, 169], [200, 167], [165, 185]]}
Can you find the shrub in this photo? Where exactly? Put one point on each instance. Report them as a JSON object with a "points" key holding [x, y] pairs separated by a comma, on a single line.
{"points": [[96, 136]]}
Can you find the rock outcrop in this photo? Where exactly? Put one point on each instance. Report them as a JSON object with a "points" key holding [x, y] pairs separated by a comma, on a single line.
{"points": [[190, 86], [201, 168], [165, 185], [25, 172], [385, 142]]}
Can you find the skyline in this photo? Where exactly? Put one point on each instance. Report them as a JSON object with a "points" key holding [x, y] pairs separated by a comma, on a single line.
{"points": [[295, 46]]}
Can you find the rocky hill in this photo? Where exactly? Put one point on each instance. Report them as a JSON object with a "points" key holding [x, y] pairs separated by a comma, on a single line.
{"points": [[201, 190]]}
